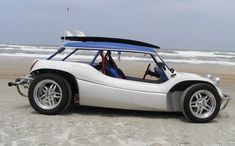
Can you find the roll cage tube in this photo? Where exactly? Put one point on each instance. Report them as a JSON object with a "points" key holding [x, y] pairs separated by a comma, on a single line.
{"points": [[111, 61], [104, 62], [94, 59], [69, 54], [60, 50], [157, 63], [162, 67], [162, 62]]}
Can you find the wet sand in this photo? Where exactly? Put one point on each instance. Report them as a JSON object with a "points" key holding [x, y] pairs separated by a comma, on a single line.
{"points": [[21, 125]]}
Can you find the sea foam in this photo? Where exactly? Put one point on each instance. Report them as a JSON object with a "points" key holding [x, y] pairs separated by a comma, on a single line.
{"points": [[191, 57]]}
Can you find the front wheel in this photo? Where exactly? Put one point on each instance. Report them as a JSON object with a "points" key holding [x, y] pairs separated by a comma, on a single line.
{"points": [[49, 94], [200, 103]]}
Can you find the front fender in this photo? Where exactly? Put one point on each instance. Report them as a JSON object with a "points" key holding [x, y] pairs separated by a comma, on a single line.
{"points": [[184, 80]]}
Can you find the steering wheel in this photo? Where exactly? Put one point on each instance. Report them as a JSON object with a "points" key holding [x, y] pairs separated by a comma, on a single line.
{"points": [[146, 72]]}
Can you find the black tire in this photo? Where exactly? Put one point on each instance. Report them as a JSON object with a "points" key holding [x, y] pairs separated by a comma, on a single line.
{"points": [[65, 99], [212, 111]]}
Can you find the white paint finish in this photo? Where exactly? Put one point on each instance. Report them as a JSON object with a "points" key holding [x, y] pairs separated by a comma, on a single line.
{"points": [[173, 101], [86, 72], [103, 96], [97, 89]]}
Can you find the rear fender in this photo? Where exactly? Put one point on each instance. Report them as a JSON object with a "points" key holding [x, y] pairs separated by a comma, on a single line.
{"points": [[69, 77]]}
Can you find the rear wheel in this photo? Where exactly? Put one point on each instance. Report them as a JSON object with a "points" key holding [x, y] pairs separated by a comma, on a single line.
{"points": [[200, 103], [50, 94]]}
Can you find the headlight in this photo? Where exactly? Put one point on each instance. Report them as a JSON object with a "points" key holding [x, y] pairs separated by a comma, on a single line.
{"points": [[217, 80], [208, 76]]}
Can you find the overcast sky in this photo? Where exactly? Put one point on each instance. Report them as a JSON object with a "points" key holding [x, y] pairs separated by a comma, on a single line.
{"points": [[175, 24]]}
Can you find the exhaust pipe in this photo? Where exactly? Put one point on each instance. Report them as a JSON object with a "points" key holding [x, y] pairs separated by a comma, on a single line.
{"points": [[21, 81]]}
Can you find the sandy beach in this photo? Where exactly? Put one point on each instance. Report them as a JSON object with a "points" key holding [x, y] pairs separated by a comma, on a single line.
{"points": [[21, 125]]}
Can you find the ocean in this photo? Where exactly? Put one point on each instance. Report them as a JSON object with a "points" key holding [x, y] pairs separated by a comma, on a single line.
{"points": [[178, 56]]}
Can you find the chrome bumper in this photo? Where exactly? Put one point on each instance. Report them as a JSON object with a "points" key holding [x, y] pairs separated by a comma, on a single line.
{"points": [[23, 81], [224, 101]]}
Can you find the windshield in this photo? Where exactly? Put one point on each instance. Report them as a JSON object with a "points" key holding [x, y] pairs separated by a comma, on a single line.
{"points": [[159, 61]]}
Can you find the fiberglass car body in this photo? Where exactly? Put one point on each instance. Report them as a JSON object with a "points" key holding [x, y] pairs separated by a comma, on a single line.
{"points": [[53, 85]]}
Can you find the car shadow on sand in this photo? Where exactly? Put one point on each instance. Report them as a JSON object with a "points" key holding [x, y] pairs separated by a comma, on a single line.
{"points": [[110, 112]]}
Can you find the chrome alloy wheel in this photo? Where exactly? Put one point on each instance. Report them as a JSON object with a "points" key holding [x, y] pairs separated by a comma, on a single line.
{"points": [[47, 94], [202, 104]]}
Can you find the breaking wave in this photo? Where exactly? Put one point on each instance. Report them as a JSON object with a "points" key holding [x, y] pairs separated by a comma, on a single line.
{"points": [[174, 56]]}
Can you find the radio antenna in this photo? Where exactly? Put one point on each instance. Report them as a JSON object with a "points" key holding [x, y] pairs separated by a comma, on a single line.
{"points": [[66, 18]]}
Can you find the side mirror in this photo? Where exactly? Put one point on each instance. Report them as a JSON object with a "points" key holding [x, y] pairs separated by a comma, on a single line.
{"points": [[172, 70]]}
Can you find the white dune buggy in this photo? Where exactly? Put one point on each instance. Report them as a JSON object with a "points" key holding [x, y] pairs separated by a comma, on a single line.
{"points": [[53, 85]]}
